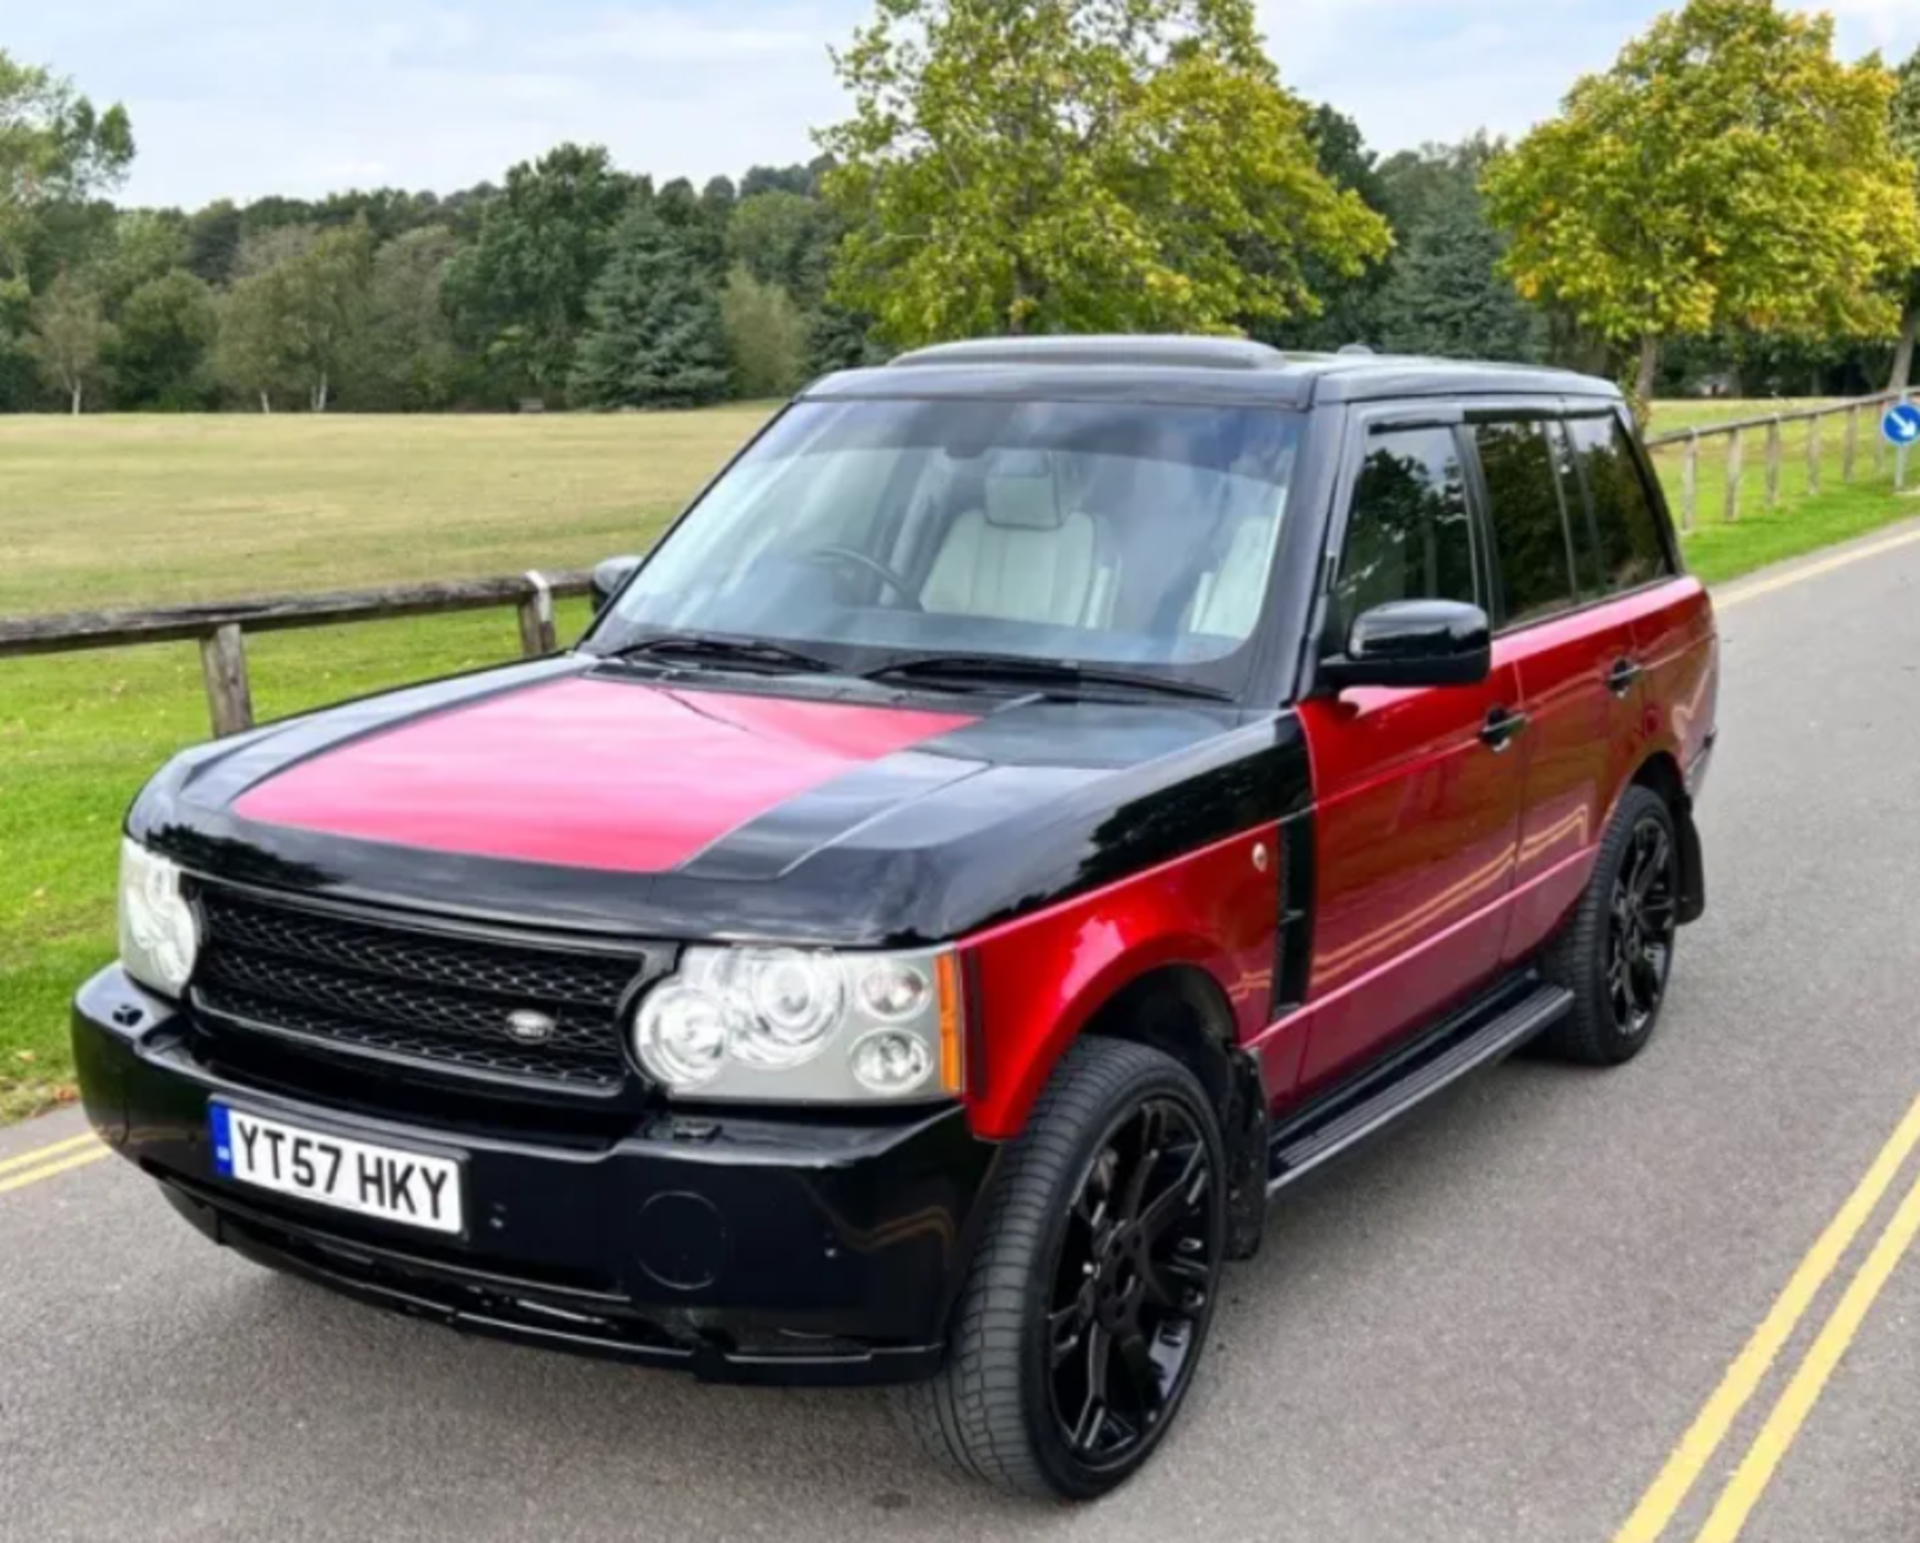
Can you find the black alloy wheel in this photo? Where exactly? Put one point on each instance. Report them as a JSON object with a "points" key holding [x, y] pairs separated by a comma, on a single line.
{"points": [[1615, 952], [1133, 1284], [1644, 918], [1086, 1308]]}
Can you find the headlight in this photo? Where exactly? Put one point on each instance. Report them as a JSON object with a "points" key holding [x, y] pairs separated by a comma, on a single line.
{"points": [[159, 934], [784, 1025]]}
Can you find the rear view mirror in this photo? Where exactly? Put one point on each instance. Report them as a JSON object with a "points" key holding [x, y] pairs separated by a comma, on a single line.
{"points": [[609, 578], [1415, 643]]}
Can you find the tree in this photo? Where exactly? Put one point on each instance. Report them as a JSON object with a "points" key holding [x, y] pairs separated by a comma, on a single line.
{"points": [[213, 241], [1049, 165], [519, 293], [785, 239], [295, 314], [1350, 301], [1906, 135], [55, 148], [766, 337], [166, 332], [145, 244], [1447, 294], [657, 338], [406, 358], [1727, 170], [70, 336]]}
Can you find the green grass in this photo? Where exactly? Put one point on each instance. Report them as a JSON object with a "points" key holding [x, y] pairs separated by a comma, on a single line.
{"points": [[123, 511]]}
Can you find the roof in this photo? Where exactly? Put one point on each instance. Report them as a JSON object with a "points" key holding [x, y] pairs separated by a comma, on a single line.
{"points": [[1197, 370]]}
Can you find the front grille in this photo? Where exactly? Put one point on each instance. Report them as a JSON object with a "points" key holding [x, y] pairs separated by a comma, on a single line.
{"points": [[442, 1001]]}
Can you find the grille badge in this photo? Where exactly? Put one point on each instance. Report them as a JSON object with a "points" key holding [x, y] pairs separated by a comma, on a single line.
{"points": [[527, 1027]]}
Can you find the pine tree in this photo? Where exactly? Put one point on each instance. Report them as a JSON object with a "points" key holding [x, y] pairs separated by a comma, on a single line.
{"points": [[655, 336], [1448, 296]]}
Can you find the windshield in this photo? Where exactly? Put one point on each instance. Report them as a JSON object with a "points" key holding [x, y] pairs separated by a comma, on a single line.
{"points": [[868, 531]]}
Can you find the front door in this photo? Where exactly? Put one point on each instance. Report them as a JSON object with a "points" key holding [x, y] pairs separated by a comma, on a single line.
{"points": [[1417, 797]]}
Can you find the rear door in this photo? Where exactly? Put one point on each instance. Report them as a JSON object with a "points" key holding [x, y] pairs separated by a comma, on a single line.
{"points": [[1417, 803], [1573, 651]]}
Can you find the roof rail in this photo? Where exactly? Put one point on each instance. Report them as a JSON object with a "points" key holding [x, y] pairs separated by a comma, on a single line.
{"points": [[1165, 352]]}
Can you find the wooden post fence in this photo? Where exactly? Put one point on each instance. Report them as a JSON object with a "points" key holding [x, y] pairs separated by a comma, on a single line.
{"points": [[1776, 445], [1736, 446], [221, 628]]}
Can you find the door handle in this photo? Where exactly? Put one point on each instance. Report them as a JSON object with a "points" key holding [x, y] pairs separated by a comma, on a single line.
{"points": [[1502, 728], [1624, 675]]}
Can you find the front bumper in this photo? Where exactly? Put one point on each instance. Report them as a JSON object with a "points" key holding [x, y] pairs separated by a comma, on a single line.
{"points": [[777, 1250]]}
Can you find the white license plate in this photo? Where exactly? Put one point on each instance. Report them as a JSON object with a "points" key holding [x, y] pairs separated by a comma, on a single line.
{"points": [[405, 1187]]}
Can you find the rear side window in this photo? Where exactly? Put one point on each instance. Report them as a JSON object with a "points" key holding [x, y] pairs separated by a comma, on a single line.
{"points": [[1409, 533], [1530, 532], [1632, 549]]}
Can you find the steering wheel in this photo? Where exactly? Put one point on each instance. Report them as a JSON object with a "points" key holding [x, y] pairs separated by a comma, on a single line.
{"points": [[858, 559]]}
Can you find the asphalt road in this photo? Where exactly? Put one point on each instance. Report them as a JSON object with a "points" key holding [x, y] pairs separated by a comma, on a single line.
{"points": [[1496, 1324]]}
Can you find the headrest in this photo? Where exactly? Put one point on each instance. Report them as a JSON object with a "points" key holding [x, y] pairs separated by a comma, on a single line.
{"points": [[1021, 493]]}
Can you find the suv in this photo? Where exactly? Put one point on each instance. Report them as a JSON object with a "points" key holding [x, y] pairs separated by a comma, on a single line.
{"points": [[1043, 799]]}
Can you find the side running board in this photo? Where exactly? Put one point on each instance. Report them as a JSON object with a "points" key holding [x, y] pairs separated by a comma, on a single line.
{"points": [[1484, 1033]]}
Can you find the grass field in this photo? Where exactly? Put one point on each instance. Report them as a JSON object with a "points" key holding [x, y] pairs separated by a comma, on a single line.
{"points": [[102, 511]]}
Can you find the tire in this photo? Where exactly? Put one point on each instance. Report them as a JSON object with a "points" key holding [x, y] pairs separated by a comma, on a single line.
{"points": [[999, 1409], [1615, 953]]}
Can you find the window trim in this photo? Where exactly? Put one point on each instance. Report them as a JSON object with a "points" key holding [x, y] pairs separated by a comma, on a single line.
{"points": [[1363, 422], [1650, 486]]}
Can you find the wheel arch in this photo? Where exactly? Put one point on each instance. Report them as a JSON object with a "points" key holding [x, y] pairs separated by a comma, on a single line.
{"points": [[1181, 1010]]}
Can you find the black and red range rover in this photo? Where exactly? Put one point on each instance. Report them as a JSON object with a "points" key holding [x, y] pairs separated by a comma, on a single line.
{"points": [[1043, 799]]}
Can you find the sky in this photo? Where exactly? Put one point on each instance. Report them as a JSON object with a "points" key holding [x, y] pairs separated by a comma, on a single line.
{"points": [[242, 98]]}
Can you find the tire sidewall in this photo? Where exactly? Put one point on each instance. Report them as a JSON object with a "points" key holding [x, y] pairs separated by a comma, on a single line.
{"points": [[1065, 1473]]}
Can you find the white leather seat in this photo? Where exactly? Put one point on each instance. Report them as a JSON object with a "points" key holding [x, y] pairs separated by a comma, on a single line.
{"points": [[1227, 602], [1023, 558]]}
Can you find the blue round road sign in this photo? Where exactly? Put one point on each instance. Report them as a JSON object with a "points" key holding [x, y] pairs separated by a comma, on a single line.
{"points": [[1902, 424]]}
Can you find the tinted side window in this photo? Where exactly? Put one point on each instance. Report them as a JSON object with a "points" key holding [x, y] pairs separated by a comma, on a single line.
{"points": [[1632, 550], [1529, 521], [1589, 563], [1409, 534]]}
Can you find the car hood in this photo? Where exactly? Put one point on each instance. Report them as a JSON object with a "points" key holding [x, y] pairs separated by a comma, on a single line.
{"points": [[575, 794]]}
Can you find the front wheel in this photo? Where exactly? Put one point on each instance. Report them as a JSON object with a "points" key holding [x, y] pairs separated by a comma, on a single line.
{"points": [[1088, 1304]]}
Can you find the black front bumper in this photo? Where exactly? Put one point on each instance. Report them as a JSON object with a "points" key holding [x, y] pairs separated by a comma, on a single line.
{"points": [[739, 1249]]}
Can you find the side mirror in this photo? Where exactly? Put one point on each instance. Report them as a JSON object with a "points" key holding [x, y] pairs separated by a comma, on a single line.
{"points": [[1415, 643], [609, 578]]}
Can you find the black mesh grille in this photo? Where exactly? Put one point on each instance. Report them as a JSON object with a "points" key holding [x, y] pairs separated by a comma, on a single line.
{"points": [[395, 992]]}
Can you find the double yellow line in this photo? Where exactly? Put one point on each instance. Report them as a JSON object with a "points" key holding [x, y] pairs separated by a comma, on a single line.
{"points": [[1703, 1439], [50, 1161]]}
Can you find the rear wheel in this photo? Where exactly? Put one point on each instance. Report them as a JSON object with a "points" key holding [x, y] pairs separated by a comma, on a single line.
{"points": [[1616, 951], [1089, 1301]]}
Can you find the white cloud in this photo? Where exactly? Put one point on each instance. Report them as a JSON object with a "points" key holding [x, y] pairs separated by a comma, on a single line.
{"points": [[670, 35]]}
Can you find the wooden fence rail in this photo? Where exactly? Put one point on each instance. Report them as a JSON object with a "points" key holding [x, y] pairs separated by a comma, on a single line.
{"points": [[221, 627], [1862, 417]]}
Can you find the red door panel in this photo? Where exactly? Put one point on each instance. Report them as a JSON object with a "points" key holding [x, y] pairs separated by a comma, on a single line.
{"points": [[1417, 821], [1579, 745]]}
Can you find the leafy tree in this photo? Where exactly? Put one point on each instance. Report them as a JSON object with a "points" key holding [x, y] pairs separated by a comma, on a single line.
{"points": [[145, 244], [657, 337], [405, 356], [766, 337], [519, 293], [1906, 135], [1727, 170], [1042, 165], [1350, 301], [166, 333], [70, 337], [698, 226], [55, 149], [295, 315], [256, 355], [213, 241], [786, 239], [1447, 294]]}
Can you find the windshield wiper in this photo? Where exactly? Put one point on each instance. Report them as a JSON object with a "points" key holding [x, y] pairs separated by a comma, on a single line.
{"points": [[710, 648], [992, 668]]}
